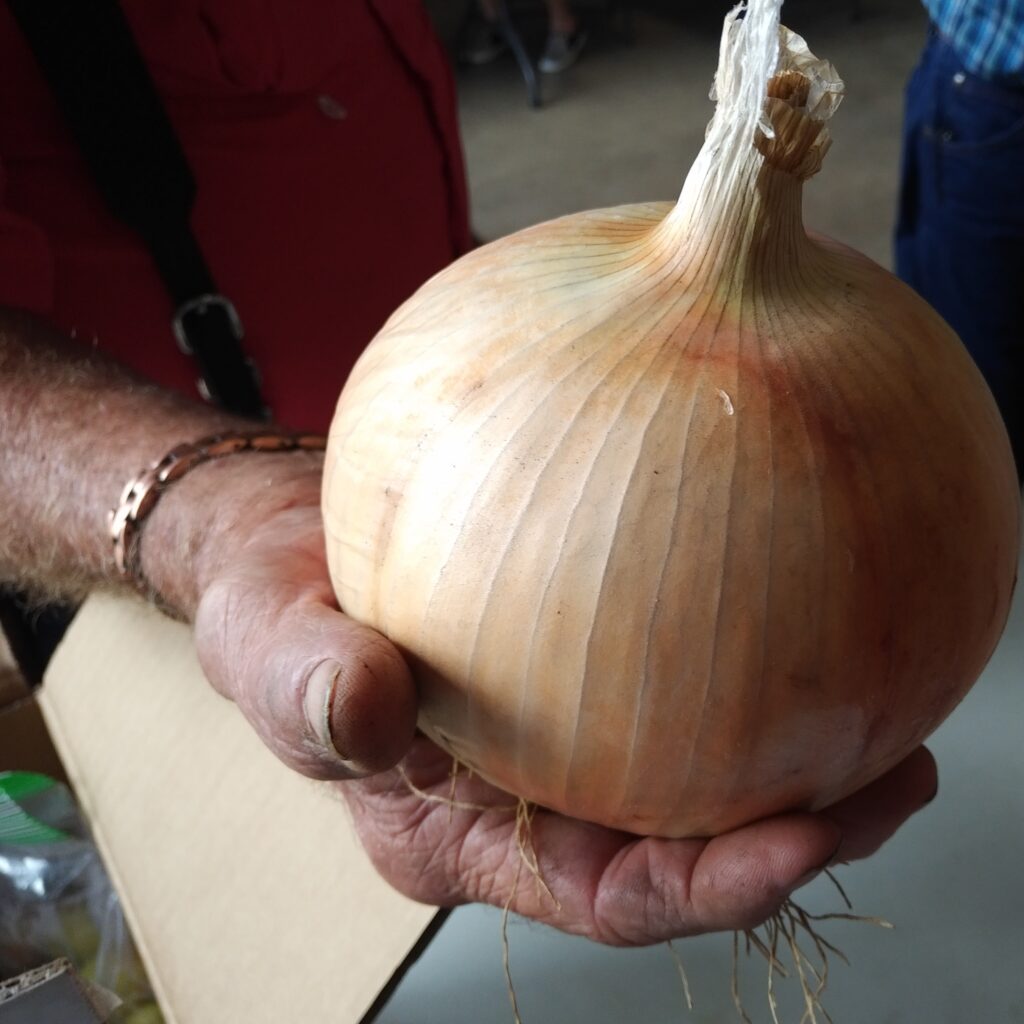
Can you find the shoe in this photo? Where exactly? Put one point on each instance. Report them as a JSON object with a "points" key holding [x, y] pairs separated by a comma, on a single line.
{"points": [[483, 43], [562, 51]]}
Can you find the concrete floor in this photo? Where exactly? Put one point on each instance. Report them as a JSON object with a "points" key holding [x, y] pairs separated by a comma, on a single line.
{"points": [[625, 124]]}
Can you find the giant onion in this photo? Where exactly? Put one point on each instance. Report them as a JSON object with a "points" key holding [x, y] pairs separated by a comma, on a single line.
{"points": [[682, 515]]}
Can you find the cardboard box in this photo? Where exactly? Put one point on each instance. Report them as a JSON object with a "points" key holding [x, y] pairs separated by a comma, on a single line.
{"points": [[249, 897]]}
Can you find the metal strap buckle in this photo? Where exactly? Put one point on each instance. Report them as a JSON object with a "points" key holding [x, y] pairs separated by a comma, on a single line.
{"points": [[201, 305]]}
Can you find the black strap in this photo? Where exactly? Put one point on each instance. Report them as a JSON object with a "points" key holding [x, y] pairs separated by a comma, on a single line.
{"points": [[88, 56]]}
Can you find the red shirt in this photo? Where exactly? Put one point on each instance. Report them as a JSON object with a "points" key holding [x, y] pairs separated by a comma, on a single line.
{"points": [[324, 141]]}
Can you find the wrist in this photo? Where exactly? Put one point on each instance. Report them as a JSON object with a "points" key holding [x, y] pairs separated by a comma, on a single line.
{"points": [[202, 523]]}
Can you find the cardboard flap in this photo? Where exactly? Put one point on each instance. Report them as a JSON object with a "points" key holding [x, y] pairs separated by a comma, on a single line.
{"points": [[248, 893]]}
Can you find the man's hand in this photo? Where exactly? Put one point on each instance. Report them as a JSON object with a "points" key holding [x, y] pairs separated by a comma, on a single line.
{"points": [[335, 700]]}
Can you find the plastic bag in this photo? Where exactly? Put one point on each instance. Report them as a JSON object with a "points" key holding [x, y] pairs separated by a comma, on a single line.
{"points": [[56, 899]]}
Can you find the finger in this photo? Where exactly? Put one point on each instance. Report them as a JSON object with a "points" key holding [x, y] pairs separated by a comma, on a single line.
{"points": [[658, 889], [332, 698], [625, 891], [871, 815]]}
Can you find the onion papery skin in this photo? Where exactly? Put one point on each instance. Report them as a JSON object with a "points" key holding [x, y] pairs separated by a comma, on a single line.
{"points": [[664, 556], [681, 516]]}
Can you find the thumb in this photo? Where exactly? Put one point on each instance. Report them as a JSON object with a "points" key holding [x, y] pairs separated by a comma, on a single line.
{"points": [[331, 698]]}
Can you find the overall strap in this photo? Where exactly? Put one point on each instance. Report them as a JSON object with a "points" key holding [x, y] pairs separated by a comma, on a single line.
{"points": [[90, 60]]}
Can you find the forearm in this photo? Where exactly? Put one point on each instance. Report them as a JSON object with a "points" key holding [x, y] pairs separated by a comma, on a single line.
{"points": [[73, 428]]}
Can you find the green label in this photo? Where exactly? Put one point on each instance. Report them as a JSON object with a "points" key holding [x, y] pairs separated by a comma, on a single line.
{"points": [[17, 825]]}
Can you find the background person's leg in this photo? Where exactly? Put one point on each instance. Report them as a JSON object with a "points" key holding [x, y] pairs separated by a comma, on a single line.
{"points": [[960, 236]]}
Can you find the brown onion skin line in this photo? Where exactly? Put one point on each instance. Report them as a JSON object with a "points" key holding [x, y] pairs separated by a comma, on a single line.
{"points": [[577, 762], [818, 374], [875, 497], [496, 592], [728, 740], [526, 700], [619, 791], [813, 472], [969, 416], [922, 445], [648, 792], [783, 266], [580, 761], [923, 448]]}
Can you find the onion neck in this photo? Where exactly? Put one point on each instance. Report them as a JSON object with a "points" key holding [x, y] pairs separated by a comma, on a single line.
{"points": [[747, 233], [738, 222]]}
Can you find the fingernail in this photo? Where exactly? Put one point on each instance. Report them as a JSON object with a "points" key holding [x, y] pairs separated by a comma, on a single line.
{"points": [[317, 702]]}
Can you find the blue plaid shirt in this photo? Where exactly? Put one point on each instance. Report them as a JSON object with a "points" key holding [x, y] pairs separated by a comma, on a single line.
{"points": [[987, 35]]}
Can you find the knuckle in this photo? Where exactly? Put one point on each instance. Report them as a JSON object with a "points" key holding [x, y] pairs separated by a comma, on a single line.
{"points": [[738, 895], [622, 904], [239, 639], [410, 843], [217, 627], [484, 860], [642, 898]]}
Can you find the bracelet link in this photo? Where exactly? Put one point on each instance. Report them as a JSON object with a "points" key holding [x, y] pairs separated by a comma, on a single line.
{"points": [[183, 462]]}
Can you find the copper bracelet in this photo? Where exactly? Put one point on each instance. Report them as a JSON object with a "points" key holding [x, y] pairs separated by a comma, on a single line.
{"points": [[141, 493]]}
